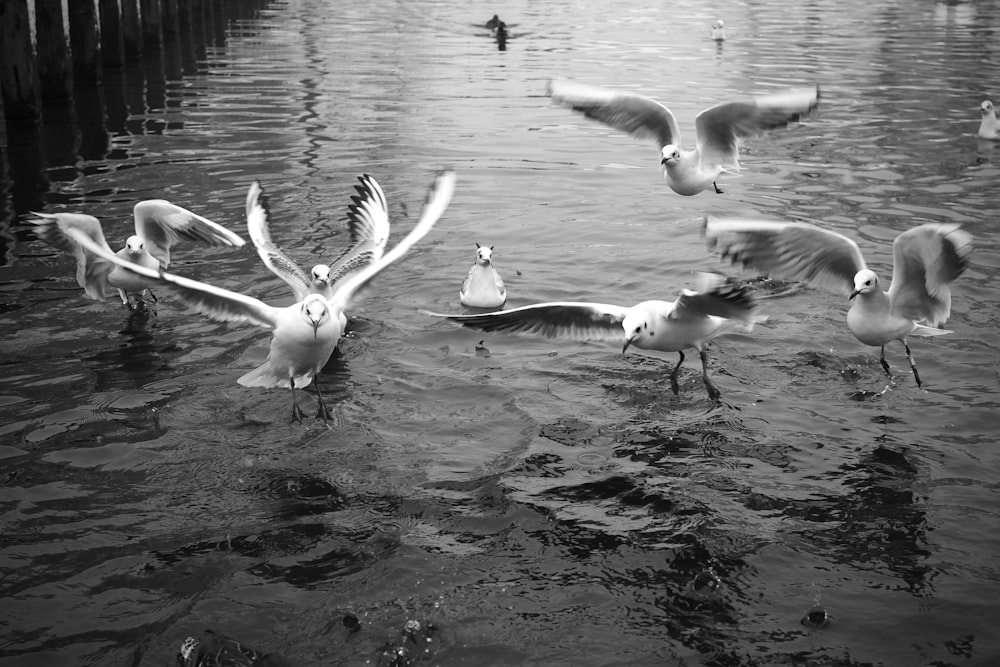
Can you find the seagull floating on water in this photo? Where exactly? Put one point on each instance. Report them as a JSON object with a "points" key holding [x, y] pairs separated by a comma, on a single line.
{"points": [[483, 287], [719, 128], [989, 127], [368, 225], [719, 306], [719, 31], [926, 259], [306, 333], [159, 225]]}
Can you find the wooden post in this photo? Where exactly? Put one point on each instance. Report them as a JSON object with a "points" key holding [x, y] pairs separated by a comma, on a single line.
{"points": [[18, 74], [152, 22], [55, 58], [186, 12], [170, 17], [112, 40], [85, 37], [131, 28]]}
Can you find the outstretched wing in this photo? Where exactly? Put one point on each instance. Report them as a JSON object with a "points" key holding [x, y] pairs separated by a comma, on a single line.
{"points": [[925, 260], [274, 258], [639, 116], [560, 319], [716, 296], [216, 302], [721, 127], [91, 269], [368, 224], [788, 250], [161, 224], [438, 197]]}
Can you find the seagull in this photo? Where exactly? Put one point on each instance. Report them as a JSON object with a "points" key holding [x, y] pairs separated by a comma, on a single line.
{"points": [[483, 287], [719, 128], [989, 128], [925, 260], [368, 224], [306, 333], [719, 306], [719, 31], [158, 226]]}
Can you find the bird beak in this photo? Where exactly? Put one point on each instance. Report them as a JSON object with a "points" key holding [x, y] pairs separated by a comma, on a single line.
{"points": [[854, 294], [315, 326], [627, 343]]}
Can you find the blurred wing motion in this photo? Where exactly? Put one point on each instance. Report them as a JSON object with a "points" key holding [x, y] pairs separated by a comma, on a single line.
{"points": [[569, 319], [161, 224]]}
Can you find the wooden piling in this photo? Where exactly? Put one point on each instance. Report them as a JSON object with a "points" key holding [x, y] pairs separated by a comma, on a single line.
{"points": [[131, 28], [152, 22], [112, 40], [171, 22], [85, 39], [18, 71], [55, 58]]}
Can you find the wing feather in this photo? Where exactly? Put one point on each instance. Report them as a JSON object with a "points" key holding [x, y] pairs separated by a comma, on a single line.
{"points": [[787, 250], [639, 116], [215, 302], [925, 260], [161, 224], [91, 270], [560, 319], [274, 258]]}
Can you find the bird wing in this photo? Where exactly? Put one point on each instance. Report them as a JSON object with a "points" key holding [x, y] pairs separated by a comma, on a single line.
{"points": [[368, 224], [274, 258], [438, 197], [721, 127], [561, 319], [716, 296], [161, 224], [788, 250], [924, 260], [216, 302], [639, 116], [91, 270]]}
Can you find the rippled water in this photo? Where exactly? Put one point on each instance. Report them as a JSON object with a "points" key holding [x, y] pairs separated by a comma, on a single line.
{"points": [[546, 504]]}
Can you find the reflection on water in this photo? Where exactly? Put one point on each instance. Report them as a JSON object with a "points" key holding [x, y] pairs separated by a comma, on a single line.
{"points": [[538, 502]]}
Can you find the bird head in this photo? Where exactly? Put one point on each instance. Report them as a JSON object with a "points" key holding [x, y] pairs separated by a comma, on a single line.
{"points": [[986, 108], [670, 155], [635, 324], [316, 311], [718, 24], [134, 245], [865, 282], [320, 274], [484, 254]]}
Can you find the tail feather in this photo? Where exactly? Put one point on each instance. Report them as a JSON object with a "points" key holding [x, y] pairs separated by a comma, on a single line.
{"points": [[267, 376], [924, 330]]}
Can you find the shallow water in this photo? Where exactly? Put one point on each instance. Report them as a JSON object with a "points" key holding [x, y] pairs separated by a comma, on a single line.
{"points": [[549, 503]]}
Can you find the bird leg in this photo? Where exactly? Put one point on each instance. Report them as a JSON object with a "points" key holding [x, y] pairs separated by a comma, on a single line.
{"points": [[323, 412], [297, 413], [718, 190], [884, 363], [713, 393], [673, 375], [913, 365]]}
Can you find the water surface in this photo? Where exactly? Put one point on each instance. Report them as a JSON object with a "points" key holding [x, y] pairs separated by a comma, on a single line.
{"points": [[549, 503]]}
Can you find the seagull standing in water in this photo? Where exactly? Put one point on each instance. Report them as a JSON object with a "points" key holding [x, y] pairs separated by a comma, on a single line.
{"points": [[368, 225], [305, 334], [719, 31], [925, 260], [159, 225], [719, 306], [989, 127], [483, 287], [719, 128]]}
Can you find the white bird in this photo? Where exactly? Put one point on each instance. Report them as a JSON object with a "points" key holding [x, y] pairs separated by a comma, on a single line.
{"points": [[719, 128], [306, 333], [719, 306], [368, 225], [925, 260], [989, 127], [158, 226], [719, 31], [483, 287]]}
